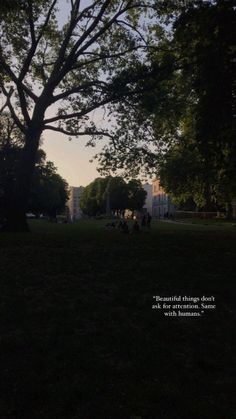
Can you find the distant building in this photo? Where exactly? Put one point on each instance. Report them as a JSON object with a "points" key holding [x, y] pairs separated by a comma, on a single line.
{"points": [[161, 202], [234, 208], [148, 203], [73, 203]]}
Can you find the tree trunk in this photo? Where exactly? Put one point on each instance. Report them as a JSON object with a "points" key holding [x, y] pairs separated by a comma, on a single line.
{"points": [[18, 195], [108, 199], [208, 207], [229, 211]]}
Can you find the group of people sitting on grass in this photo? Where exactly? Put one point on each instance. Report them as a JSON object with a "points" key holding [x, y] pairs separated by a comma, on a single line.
{"points": [[123, 226]]}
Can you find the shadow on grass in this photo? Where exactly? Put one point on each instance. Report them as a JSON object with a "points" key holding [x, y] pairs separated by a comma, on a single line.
{"points": [[79, 338]]}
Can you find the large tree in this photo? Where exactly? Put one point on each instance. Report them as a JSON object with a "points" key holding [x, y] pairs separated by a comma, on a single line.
{"points": [[186, 124], [206, 38], [57, 66]]}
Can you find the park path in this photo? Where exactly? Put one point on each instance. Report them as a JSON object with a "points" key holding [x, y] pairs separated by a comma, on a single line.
{"points": [[176, 222], [220, 226]]}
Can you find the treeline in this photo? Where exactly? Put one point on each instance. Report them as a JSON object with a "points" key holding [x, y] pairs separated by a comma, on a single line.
{"points": [[112, 195]]}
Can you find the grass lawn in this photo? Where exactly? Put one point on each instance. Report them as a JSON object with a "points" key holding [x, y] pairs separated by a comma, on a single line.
{"points": [[79, 338]]}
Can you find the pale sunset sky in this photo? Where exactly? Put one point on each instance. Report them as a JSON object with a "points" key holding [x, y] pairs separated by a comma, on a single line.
{"points": [[72, 157]]}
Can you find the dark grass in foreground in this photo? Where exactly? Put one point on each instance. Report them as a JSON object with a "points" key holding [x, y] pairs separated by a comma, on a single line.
{"points": [[79, 338]]}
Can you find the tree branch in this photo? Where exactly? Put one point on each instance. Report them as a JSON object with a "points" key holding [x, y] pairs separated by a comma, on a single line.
{"points": [[59, 72], [35, 41], [79, 114], [78, 89], [108, 56], [3, 107], [122, 22], [89, 30], [46, 20], [23, 104], [55, 77], [96, 105], [99, 33], [77, 133], [11, 109], [31, 22], [13, 77]]}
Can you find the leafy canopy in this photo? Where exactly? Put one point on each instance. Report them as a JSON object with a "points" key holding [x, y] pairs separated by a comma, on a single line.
{"points": [[49, 191], [121, 195], [183, 127], [72, 57]]}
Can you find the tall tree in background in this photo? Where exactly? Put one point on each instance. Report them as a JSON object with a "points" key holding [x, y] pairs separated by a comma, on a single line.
{"points": [[136, 195], [92, 200], [49, 191], [53, 76], [95, 197], [122, 196]]}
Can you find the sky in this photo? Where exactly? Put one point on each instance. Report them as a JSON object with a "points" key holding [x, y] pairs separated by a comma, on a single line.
{"points": [[71, 158]]}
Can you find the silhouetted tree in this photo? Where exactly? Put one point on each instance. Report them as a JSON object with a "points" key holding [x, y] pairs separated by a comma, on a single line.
{"points": [[87, 63]]}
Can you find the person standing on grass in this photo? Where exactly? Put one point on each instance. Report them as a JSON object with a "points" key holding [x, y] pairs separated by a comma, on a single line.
{"points": [[149, 219], [135, 228], [120, 224], [144, 220], [125, 228]]}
